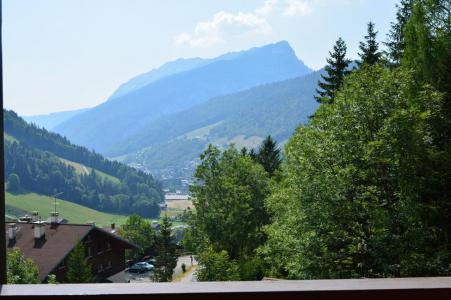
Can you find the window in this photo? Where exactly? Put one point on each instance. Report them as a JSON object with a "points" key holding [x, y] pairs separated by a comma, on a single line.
{"points": [[88, 252]]}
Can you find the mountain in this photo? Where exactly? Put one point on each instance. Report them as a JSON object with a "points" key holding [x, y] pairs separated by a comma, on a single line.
{"points": [[167, 69], [102, 127], [46, 163], [50, 121], [170, 146]]}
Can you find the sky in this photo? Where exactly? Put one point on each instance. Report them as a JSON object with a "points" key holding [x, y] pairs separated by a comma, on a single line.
{"points": [[61, 55]]}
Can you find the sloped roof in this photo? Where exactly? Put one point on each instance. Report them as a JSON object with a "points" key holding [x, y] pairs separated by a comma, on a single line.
{"points": [[55, 246]]}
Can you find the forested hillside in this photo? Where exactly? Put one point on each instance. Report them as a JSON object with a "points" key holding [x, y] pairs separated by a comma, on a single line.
{"points": [[170, 146], [43, 162]]}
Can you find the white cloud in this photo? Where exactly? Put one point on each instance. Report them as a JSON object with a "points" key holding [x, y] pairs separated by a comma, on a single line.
{"points": [[297, 8], [222, 26], [226, 25], [267, 7]]}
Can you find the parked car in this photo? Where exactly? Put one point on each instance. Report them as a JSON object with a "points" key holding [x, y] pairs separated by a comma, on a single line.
{"points": [[150, 261], [145, 265], [136, 269]]}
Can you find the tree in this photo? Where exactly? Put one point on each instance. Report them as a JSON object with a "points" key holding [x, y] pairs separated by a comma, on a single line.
{"points": [[395, 42], [139, 231], [13, 182], [216, 266], [369, 48], [417, 54], [78, 269], [229, 199], [355, 199], [166, 259], [269, 156], [336, 70], [20, 270]]}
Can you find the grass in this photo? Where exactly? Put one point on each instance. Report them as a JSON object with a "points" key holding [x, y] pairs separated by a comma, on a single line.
{"points": [[75, 213], [82, 169], [10, 138]]}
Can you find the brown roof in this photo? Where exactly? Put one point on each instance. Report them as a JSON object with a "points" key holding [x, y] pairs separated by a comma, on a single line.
{"points": [[58, 243]]}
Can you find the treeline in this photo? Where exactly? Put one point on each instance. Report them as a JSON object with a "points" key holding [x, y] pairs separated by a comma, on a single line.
{"points": [[364, 189], [32, 163]]}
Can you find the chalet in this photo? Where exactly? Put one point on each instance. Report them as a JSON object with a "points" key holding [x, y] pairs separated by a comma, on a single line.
{"points": [[50, 243]]}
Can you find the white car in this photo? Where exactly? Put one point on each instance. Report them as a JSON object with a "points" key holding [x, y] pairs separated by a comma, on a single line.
{"points": [[144, 265]]}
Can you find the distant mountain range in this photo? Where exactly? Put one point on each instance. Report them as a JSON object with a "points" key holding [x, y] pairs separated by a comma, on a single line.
{"points": [[101, 127], [50, 121], [161, 121]]}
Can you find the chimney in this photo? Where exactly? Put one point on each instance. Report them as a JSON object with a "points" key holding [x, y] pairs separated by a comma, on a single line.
{"points": [[39, 229], [34, 216], [113, 226], [92, 223], [12, 228], [54, 218]]}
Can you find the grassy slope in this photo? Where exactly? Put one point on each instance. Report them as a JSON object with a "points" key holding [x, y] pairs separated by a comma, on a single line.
{"points": [[76, 214], [82, 169], [73, 212]]}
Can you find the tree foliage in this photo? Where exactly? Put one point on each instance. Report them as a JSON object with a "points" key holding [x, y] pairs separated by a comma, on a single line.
{"points": [[370, 53], [78, 269], [20, 270], [229, 200], [351, 203], [395, 39], [269, 156], [140, 232], [336, 69], [166, 259]]}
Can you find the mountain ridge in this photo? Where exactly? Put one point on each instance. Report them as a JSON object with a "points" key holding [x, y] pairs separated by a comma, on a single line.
{"points": [[114, 120]]}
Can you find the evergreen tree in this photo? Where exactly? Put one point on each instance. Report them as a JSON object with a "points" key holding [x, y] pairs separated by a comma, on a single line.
{"points": [[244, 151], [369, 48], [78, 269], [269, 156], [253, 154], [166, 259], [20, 270], [336, 70], [395, 42]]}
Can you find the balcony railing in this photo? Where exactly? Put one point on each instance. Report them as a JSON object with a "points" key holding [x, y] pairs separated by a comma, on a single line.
{"points": [[396, 288]]}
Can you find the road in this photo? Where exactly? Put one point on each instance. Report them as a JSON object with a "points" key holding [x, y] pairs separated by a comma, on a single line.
{"points": [[188, 276]]}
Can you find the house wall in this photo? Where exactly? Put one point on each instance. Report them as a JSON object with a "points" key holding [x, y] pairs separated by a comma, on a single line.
{"points": [[107, 256]]}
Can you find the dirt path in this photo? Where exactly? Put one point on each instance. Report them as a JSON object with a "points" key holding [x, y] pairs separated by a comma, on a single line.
{"points": [[178, 275]]}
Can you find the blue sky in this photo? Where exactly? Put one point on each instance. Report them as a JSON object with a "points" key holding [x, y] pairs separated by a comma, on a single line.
{"points": [[68, 54]]}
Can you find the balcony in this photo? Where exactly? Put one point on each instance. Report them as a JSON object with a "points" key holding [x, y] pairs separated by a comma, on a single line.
{"points": [[396, 288]]}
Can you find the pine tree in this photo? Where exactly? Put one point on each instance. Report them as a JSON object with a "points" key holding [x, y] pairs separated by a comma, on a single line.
{"points": [[79, 271], [370, 48], [419, 46], [269, 156], [166, 259], [395, 42], [336, 69]]}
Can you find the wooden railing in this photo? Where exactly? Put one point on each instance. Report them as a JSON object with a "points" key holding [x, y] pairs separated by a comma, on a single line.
{"points": [[397, 288]]}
